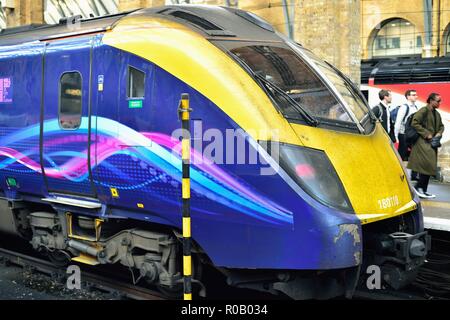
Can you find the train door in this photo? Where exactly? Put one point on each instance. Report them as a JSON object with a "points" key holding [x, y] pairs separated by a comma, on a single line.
{"points": [[66, 117]]}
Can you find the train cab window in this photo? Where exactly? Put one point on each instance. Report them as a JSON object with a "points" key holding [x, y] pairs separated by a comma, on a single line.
{"points": [[136, 83], [285, 70], [70, 101]]}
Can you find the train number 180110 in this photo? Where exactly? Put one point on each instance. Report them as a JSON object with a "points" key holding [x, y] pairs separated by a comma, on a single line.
{"points": [[388, 202]]}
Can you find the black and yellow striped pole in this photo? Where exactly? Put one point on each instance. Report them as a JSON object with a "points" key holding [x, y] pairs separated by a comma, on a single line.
{"points": [[184, 111]]}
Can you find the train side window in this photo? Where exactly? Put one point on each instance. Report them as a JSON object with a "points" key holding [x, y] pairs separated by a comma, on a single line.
{"points": [[70, 100], [136, 83]]}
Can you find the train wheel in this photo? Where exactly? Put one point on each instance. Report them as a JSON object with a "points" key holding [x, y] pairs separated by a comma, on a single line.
{"points": [[176, 292], [59, 258]]}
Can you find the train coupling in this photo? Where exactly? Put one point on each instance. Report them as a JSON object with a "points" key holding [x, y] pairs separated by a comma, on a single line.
{"points": [[410, 248], [400, 255]]}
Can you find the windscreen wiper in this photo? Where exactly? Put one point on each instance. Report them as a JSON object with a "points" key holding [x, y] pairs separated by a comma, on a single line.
{"points": [[305, 114], [266, 83]]}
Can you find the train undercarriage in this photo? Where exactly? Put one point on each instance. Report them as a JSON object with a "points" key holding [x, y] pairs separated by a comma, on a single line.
{"points": [[155, 255]]}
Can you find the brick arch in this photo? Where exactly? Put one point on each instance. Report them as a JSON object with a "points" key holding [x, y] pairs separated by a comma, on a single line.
{"points": [[445, 37], [375, 28]]}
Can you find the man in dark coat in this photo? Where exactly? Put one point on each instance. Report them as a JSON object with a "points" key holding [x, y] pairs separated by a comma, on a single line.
{"points": [[423, 159], [381, 111]]}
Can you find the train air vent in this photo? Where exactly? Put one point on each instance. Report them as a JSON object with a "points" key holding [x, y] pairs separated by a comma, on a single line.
{"points": [[164, 10], [207, 26], [199, 22]]}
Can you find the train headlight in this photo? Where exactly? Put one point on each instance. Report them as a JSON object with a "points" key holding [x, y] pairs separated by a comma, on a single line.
{"points": [[314, 173]]}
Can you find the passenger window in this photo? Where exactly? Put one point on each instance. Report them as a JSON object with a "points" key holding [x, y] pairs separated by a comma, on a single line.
{"points": [[136, 83], [70, 102]]}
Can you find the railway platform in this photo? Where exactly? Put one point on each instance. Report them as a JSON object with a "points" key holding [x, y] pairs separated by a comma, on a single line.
{"points": [[437, 210]]}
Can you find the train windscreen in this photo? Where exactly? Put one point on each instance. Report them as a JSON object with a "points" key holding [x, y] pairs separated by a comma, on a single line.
{"points": [[284, 70], [345, 88]]}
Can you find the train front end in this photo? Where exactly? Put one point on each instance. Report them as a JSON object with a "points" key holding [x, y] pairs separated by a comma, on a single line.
{"points": [[345, 162], [330, 201]]}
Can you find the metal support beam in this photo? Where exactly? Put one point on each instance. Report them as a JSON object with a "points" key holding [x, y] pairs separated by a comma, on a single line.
{"points": [[183, 111], [428, 27], [288, 14]]}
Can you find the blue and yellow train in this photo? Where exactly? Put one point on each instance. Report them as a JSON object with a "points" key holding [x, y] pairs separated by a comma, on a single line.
{"points": [[90, 168]]}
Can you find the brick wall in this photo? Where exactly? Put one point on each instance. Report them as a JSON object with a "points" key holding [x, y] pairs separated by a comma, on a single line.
{"points": [[331, 29], [22, 12]]}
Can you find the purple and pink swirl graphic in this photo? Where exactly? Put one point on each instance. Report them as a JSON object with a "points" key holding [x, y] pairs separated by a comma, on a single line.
{"points": [[63, 160]]}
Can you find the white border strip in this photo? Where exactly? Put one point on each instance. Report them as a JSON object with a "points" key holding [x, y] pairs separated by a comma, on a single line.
{"points": [[436, 223]]}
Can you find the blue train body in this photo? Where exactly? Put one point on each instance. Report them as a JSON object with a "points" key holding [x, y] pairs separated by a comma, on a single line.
{"points": [[131, 150]]}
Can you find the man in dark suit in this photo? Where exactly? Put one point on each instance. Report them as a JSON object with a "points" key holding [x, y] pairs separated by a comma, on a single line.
{"points": [[382, 112]]}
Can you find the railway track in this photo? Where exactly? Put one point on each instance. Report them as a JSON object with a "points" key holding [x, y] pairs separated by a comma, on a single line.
{"points": [[432, 283], [111, 279], [115, 287]]}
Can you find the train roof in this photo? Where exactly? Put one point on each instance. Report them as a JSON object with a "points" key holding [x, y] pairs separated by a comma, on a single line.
{"points": [[406, 70], [218, 21], [71, 26], [212, 21]]}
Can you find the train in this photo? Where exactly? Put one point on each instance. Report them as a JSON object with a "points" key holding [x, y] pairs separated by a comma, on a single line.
{"points": [[425, 75], [296, 190]]}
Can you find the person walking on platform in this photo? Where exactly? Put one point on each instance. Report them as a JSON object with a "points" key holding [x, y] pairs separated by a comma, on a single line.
{"points": [[382, 112], [405, 111], [423, 159]]}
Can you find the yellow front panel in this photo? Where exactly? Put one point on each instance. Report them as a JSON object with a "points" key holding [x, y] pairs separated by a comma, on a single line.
{"points": [[368, 168]]}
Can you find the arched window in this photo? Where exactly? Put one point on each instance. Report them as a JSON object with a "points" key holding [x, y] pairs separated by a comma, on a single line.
{"points": [[447, 44], [397, 37]]}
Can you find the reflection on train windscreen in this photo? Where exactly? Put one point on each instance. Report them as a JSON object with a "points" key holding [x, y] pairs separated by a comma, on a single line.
{"points": [[283, 68], [354, 102]]}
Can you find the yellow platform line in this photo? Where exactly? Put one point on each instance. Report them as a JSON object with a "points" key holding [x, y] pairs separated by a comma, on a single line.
{"points": [[436, 204]]}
